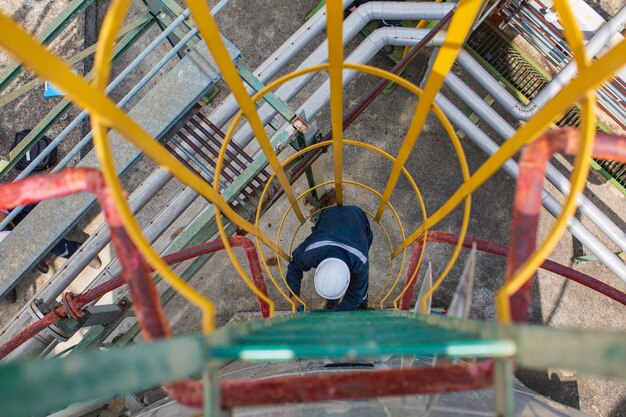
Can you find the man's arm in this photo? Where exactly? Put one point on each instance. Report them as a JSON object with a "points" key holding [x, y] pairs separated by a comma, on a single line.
{"points": [[357, 290], [295, 270]]}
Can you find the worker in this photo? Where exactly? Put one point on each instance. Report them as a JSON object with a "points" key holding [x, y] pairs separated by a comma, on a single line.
{"points": [[338, 250]]}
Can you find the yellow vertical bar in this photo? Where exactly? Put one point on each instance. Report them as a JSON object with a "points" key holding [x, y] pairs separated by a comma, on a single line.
{"points": [[213, 39], [24, 48], [334, 27], [574, 37], [112, 22], [587, 79], [460, 26]]}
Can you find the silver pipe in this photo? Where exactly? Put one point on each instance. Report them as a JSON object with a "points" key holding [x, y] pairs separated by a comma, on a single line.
{"points": [[219, 6], [523, 112], [351, 27], [401, 36], [83, 115], [576, 228], [493, 119], [486, 14], [364, 53]]}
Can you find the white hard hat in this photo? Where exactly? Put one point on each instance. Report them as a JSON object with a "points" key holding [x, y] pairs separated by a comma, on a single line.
{"points": [[332, 277]]}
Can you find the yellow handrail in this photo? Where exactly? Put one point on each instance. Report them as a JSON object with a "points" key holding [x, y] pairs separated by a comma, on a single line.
{"points": [[334, 29], [105, 115], [579, 175], [460, 26]]}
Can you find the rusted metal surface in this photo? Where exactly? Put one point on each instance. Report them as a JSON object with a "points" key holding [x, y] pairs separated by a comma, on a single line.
{"points": [[72, 304], [416, 254], [73, 311], [205, 139], [503, 250], [136, 272], [527, 203], [29, 332], [357, 385]]}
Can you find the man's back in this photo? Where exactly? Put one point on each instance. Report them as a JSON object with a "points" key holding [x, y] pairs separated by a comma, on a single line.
{"points": [[342, 233], [343, 224]]}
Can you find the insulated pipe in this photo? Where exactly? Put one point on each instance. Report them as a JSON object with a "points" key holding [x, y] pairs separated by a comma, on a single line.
{"points": [[402, 37], [364, 53], [576, 228], [501, 126], [523, 112], [351, 27]]}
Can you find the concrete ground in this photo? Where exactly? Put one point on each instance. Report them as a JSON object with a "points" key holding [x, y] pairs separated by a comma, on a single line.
{"points": [[258, 28]]}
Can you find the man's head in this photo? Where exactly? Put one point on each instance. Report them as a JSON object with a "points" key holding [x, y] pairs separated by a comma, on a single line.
{"points": [[332, 277]]}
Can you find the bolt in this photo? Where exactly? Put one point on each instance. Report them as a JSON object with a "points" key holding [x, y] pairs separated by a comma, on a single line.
{"points": [[123, 303], [38, 301], [161, 15]]}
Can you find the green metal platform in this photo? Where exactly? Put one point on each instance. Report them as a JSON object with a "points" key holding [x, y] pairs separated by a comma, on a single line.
{"points": [[367, 334]]}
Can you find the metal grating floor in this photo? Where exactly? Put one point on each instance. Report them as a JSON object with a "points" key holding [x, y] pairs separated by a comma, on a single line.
{"points": [[515, 69], [204, 140]]}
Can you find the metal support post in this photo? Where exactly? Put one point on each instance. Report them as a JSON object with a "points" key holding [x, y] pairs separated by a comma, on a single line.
{"points": [[164, 16], [213, 392], [503, 385], [315, 170]]}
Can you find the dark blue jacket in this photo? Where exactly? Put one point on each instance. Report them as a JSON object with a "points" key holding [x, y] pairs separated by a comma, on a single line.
{"points": [[341, 232]]}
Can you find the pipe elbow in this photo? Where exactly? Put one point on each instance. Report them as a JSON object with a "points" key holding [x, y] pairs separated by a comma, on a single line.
{"points": [[379, 38], [365, 12], [524, 112]]}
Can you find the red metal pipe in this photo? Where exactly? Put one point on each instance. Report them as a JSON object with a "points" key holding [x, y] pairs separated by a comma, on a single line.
{"points": [[357, 385], [135, 271], [78, 302], [405, 301], [527, 204], [503, 250], [309, 158], [29, 332]]}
